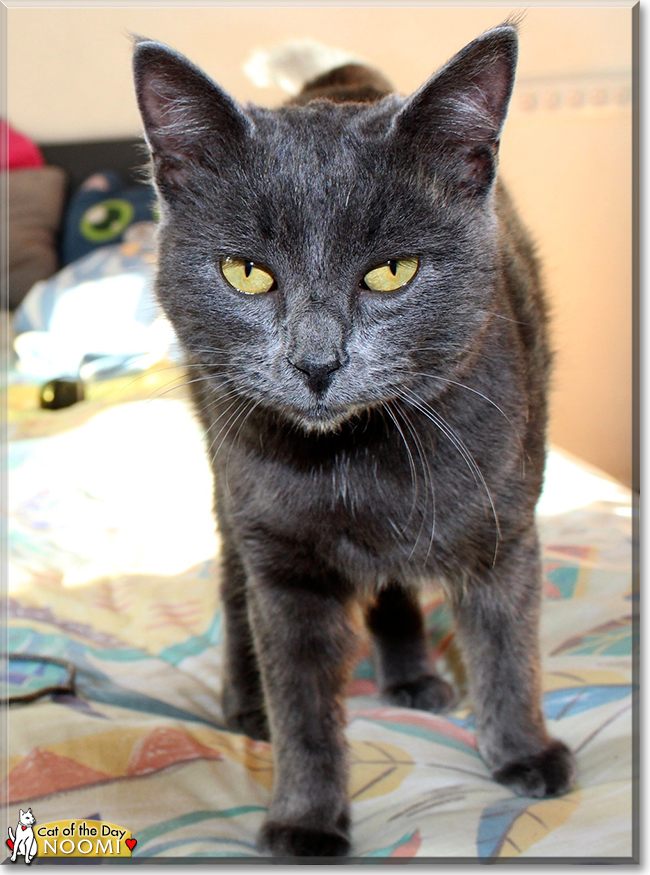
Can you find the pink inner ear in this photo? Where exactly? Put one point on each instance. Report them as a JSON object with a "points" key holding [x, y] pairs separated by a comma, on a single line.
{"points": [[173, 120], [480, 105], [493, 86], [467, 100], [181, 106]]}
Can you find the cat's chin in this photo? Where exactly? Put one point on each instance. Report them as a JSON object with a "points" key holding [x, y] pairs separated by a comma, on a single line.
{"points": [[322, 424], [321, 419]]}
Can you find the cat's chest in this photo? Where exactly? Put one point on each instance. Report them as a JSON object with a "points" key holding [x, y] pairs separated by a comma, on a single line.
{"points": [[353, 510], [336, 493]]}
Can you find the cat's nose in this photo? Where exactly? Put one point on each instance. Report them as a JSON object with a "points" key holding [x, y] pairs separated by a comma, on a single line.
{"points": [[318, 374]]}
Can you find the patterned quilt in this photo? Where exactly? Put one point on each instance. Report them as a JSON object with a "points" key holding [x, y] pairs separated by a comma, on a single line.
{"points": [[111, 546]]}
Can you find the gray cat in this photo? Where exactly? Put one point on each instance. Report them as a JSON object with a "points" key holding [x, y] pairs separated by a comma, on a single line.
{"points": [[365, 333]]}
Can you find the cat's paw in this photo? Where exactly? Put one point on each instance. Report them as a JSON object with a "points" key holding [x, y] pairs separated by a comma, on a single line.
{"points": [[429, 693], [549, 773], [292, 840], [254, 724]]}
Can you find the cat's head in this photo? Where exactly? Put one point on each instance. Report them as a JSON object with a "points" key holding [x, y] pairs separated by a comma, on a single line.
{"points": [[321, 259], [27, 818]]}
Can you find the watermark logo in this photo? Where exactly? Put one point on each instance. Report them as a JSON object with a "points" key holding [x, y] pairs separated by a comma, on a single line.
{"points": [[90, 839], [23, 843]]}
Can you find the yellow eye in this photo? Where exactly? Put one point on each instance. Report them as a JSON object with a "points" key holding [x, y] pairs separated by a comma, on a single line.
{"points": [[246, 276], [391, 275]]}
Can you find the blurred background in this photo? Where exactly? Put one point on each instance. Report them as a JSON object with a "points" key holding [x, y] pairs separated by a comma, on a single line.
{"points": [[566, 151]]}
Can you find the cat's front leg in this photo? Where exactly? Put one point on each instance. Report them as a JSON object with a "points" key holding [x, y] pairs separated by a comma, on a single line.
{"points": [[242, 698], [498, 621], [303, 642]]}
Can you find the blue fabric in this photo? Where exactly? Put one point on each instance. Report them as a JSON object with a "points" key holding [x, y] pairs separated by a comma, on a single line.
{"points": [[99, 218]]}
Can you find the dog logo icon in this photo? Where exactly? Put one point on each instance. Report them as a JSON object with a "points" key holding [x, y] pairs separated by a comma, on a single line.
{"points": [[23, 844]]}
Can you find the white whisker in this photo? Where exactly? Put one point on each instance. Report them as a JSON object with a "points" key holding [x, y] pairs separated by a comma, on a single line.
{"points": [[414, 399], [254, 404], [410, 461], [494, 404], [233, 416], [428, 483]]}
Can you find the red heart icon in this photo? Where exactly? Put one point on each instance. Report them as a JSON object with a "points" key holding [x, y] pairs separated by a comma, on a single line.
{"points": [[10, 843], [131, 843]]}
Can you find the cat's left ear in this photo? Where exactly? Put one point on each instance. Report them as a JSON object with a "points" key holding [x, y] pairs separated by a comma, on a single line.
{"points": [[459, 113], [188, 119]]}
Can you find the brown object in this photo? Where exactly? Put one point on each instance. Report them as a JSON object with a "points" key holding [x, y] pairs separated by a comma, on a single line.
{"points": [[35, 206], [352, 82]]}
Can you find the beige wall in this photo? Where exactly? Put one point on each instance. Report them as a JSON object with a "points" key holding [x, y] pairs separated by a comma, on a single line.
{"points": [[566, 151]]}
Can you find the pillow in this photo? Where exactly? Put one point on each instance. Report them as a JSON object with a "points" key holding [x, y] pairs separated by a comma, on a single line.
{"points": [[35, 206], [99, 308], [101, 211]]}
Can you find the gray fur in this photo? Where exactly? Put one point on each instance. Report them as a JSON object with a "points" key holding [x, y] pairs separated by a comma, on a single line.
{"points": [[361, 442]]}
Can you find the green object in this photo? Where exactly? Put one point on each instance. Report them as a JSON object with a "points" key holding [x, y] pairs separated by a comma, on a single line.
{"points": [[106, 220]]}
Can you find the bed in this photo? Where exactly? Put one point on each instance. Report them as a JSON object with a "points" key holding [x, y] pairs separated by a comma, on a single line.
{"points": [[112, 570]]}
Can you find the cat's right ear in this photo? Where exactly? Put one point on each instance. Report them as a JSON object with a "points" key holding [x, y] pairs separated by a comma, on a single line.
{"points": [[459, 113], [188, 120]]}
